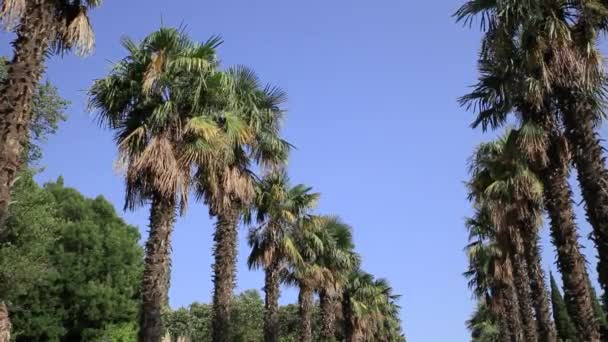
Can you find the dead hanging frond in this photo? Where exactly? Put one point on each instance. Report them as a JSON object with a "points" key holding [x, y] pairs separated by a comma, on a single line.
{"points": [[11, 13], [574, 68], [79, 34], [223, 187], [158, 170], [532, 141], [154, 71], [238, 184]]}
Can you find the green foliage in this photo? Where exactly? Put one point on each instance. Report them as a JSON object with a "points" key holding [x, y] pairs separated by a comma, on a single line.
{"points": [[64, 250], [600, 314], [289, 323], [247, 318], [566, 330], [124, 332], [32, 226], [483, 324], [48, 111]]}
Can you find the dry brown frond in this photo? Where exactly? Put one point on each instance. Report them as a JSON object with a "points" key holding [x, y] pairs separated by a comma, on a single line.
{"points": [[80, 35], [238, 184], [158, 169], [11, 12], [155, 69], [571, 67]]}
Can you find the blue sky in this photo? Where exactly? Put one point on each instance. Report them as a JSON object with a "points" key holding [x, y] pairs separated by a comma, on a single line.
{"points": [[373, 113]]}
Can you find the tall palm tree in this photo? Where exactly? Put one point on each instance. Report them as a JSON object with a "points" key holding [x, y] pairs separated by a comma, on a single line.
{"points": [[370, 310], [40, 26], [325, 244], [483, 324], [517, 78], [252, 125], [161, 128], [304, 271], [340, 260], [502, 180], [490, 275], [278, 210], [580, 98]]}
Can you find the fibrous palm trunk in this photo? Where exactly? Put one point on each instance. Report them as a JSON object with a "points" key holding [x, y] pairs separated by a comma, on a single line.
{"points": [[512, 317], [590, 163], [347, 315], [570, 261], [224, 272], [5, 323], [328, 316], [524, 296], [540, 297], [505, 334], [34, 36], [157, 264], [305, 300], [271, 307]]}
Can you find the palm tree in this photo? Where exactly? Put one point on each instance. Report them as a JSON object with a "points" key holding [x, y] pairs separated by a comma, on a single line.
{"points": [[339, 259], [304, 271], [483, 324], [279, 209], [326, 248], [252, 125], [502, 181], [580, 99], [40, 25], [517, 78], [490, 275], [370, 310], [161, 128]]}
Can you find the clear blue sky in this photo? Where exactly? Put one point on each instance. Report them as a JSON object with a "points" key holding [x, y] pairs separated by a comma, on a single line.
{"points": [[373, 113]]}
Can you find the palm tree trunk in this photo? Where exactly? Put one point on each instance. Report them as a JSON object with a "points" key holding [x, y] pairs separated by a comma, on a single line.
{"points": [[271, 312], [5, 323], [540, 297], [16, 93], [570, 261], [512, 313], [155, 284], [505, 334], [305, 299], [503, 309], [328, 316], [224, 272], [592, 176], [524, 297], [347, 316]]}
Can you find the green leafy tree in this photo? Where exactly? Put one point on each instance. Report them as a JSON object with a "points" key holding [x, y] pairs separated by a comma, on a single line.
{"points": [[24, 251], [194, 322], [75, 250], [125, 332], [248, 317]]}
